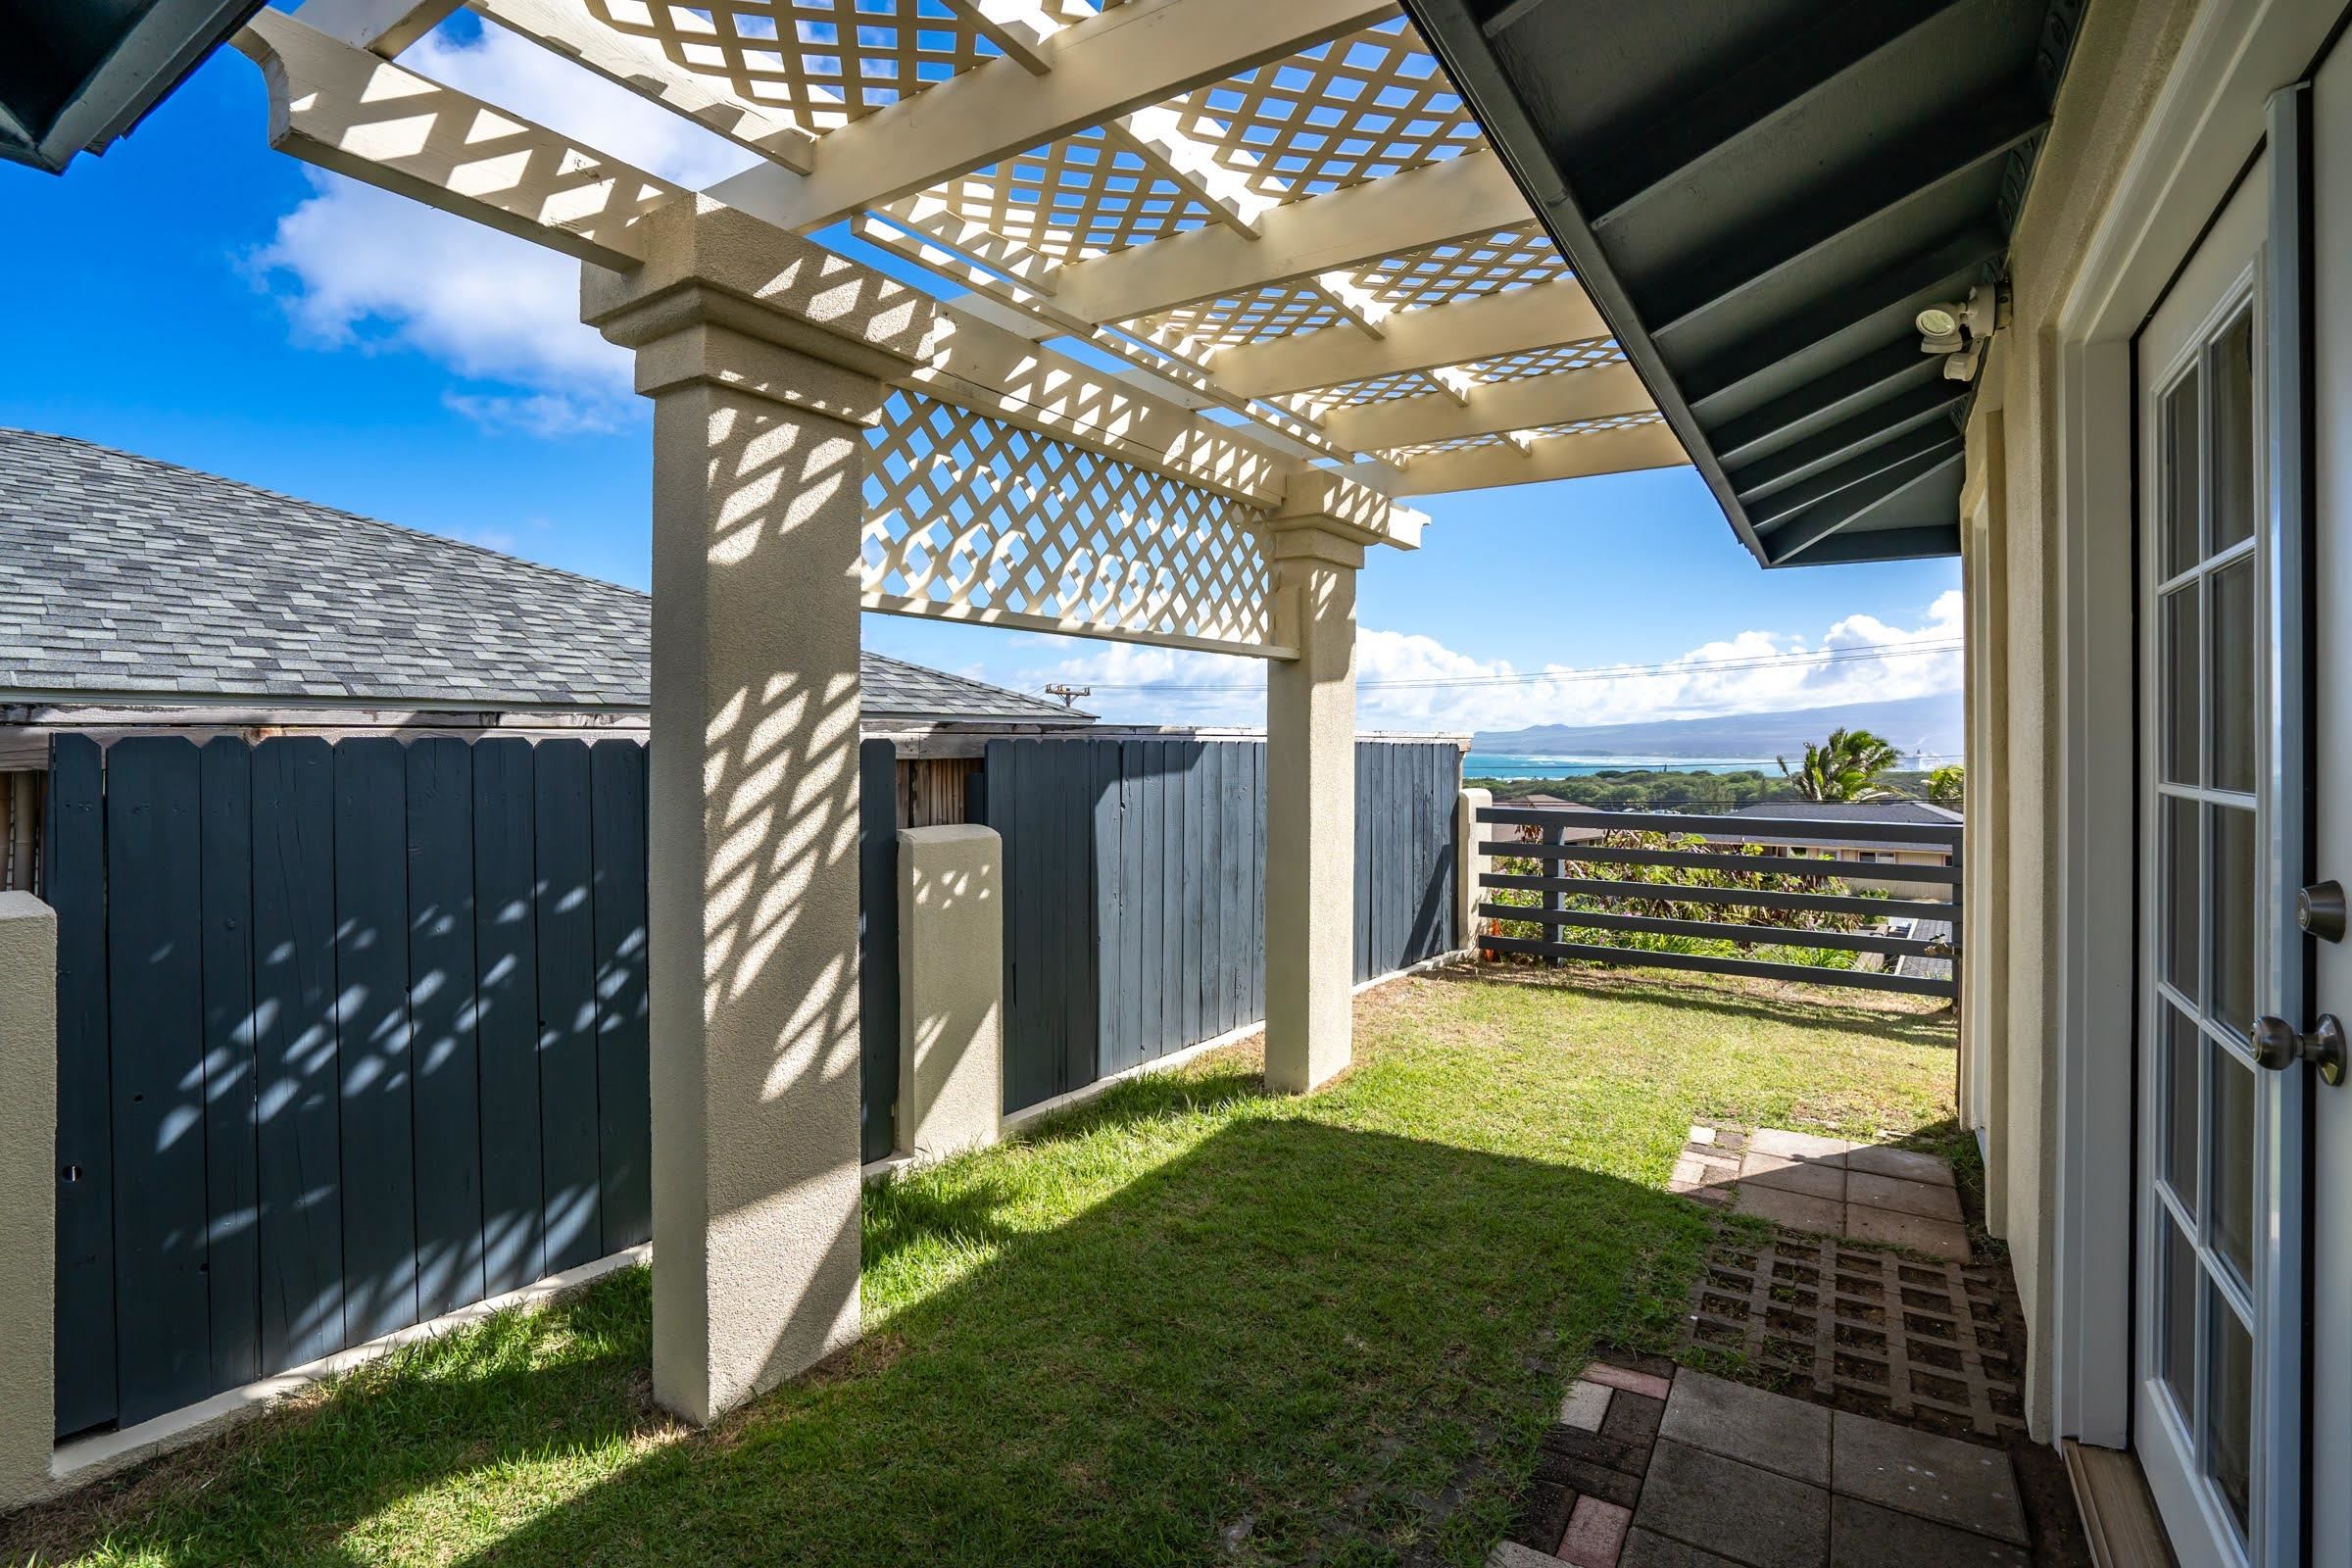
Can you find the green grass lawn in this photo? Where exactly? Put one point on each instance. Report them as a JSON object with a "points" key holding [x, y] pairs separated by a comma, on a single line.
{"points": [[1186, 1324]]}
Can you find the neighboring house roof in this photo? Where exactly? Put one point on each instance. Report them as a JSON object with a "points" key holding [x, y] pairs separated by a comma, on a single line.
{"points": [[126, 578]]}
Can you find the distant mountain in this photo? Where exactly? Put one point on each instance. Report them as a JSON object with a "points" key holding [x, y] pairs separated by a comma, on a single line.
{"points": [[1911, 725]]}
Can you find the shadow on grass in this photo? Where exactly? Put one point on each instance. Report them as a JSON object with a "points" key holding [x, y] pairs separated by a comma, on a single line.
{"points": [[1293, 1341]]}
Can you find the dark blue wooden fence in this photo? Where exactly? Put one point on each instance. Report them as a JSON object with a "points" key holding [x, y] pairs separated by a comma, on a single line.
{"points": [[353, 1035], [1136, 892]]}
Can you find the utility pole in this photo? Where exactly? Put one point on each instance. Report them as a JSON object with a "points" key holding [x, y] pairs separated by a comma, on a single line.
{"points": [[1069, 695]]}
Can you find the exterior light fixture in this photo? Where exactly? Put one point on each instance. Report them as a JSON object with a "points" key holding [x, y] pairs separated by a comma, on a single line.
{"points": [[1959, 331]]}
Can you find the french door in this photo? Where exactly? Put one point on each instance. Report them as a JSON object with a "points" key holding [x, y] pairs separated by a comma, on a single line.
{"points": [[2219, 1297]]}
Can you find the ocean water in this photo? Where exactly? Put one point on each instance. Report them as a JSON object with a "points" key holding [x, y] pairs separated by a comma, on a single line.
{"points": [[1495, 764]]}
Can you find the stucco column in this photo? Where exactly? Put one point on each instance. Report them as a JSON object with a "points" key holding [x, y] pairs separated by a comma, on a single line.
{"points": [[950, 990], [28, 1195], [763, 355], [1469, 864], [1310, 802]]}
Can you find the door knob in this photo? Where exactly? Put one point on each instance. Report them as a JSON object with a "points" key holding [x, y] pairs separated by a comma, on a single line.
{"points": [[2279, 1045]]}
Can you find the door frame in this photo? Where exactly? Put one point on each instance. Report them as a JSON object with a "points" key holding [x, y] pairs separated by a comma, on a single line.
{"points": [[2208, 121]]}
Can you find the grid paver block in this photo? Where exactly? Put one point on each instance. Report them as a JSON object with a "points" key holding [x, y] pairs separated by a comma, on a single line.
{"points": [[1512, 1554], [1926, 1338]]}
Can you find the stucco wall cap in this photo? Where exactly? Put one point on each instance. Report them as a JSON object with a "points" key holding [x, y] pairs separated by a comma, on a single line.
{"points": [[700, 250], [1332, 503]]}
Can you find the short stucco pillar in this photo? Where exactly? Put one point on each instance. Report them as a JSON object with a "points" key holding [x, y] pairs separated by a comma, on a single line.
{"points": [[28, 1195], [950, 990], [763, 355], [1310, 802], [1469, 864]]}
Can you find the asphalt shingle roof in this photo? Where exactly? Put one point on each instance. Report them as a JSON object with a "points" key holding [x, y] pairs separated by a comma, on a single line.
{"points": [[122, 577]]}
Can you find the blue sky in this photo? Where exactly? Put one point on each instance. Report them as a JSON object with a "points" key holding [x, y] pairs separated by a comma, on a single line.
{"points": [[197, 297]]}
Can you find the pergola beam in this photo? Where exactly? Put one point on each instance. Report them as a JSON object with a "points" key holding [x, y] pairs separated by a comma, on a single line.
{"points": [[345, 108], [564, 26], [381, 26], [1471, 194], [1497, 409], [1562, 457], [1127, 58], [1489, 326]]}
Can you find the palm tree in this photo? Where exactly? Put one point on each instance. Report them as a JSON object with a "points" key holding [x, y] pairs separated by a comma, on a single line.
{"points": [[1844, 767]]}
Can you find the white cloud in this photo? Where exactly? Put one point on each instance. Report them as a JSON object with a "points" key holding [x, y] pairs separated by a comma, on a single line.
{"points": [[1412, 682], [356, 267]]}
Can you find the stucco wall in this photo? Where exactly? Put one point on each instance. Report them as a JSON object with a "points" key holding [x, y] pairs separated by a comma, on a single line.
{"points": [[2119, 64]]}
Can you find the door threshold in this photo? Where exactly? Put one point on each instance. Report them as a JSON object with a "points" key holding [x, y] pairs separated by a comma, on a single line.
{"points": [[2119, 1515]]}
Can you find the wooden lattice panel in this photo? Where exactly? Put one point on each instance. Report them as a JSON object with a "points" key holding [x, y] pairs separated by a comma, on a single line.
{"points": [[818, 62], [1275, 311], [1463, 268], [1087, 195], [971, 519], [1375, 389], [1591, 353], [1358, 107]]}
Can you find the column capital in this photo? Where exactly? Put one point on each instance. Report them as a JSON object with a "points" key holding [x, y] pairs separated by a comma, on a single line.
{"points": [[1319, 500], [726, 298]]}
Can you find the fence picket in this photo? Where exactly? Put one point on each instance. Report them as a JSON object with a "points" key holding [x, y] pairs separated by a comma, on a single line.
{"points": [[232, 1075], [73, 878], [163, 1313], [569, 1180], [439, 842], [298, 1132], [507, 1026]]}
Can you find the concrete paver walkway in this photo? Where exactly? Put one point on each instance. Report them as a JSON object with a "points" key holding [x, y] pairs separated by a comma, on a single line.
{"points": [[1866, 1192], [1651, 1466]]}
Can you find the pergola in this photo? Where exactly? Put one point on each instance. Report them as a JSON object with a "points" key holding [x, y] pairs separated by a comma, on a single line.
{"points": [[1323, 291]]}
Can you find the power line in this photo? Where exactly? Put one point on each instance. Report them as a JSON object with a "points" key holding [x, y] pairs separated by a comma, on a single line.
{"points": [[1838, 656]]}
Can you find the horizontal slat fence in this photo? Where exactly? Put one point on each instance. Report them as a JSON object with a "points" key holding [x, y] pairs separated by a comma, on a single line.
{"points": [[1135, 891], [1571, 900], [350, 1035]]}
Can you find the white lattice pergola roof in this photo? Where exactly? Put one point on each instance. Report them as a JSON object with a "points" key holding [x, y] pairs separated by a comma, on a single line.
{"points": [[1280, 212]]}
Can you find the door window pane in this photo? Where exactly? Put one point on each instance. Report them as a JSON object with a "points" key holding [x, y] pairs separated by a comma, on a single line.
{"points": [[2177, 1333], [2183, 545], [2234, 497], [2181, 685], [2180, 897], [2183, 1059], [2231, 653], [2229, 1424], [2232, 1147], [2232, 892]]}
